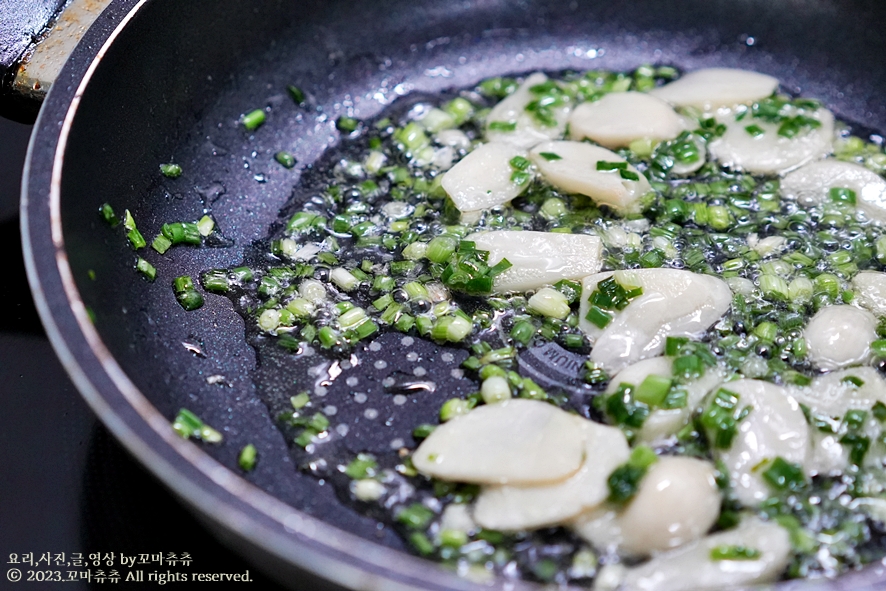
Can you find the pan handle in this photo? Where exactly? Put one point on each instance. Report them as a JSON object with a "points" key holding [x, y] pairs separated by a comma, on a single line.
{"points": [[36, 38]]}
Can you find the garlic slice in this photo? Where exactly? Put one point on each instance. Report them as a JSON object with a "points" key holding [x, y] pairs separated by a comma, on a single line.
{"points": [[691, 567], [482, 179], [572, 167], [515, 441], [840, 336], [674, 303], [810, 185], [662, 424], [619, 118], [512, 507], [774, 427], [539, 258], [768, 152], [528, 131], [711, 88]]}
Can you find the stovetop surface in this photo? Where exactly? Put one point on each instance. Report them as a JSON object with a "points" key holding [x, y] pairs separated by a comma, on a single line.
{"points": [[66, 486]]}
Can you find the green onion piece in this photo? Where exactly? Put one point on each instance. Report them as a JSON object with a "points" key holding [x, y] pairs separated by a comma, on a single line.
{"points": [[296, 93], [628, 175], [423, 430], [300, 400], [415, 516], [879, 411], [305, 438], [248, 457], [454, 407], [519, 163], [460, 109], [253, 119], [146, 269], [136, 239], [171, 171], [205, 226], [598, 317], [652, 390], [754, 130], [421, 543], [328, 337], [107, 213], [215, 280], [518, 177], [503, 125], [674, 345], [186, 423], [854, 381], [785, 476], [441, 248], [161, 243], [603, 165], [624, 482], [285, 159], [188, 297], [550, 156], [347, 124], [721, 418], [363, 466], [725, 552], [523, 331], [842, 195]]}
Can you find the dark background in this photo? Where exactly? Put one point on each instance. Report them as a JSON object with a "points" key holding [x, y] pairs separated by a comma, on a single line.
{"points": [[65, 484]]}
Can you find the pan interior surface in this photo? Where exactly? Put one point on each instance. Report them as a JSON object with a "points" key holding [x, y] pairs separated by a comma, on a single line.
{"points": [[176, 81]]}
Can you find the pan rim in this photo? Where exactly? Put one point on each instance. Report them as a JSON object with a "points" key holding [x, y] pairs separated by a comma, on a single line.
{"points": [[254, 515], [207, 486]]}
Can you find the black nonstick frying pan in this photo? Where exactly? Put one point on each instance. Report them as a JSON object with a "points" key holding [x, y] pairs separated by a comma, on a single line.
{"points": [[160, 81]]}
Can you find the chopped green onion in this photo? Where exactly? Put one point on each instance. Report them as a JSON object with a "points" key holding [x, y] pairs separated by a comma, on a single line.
{"points": [[248, 457], [347, 124], [784, 476], [285, 159], [503, 125], [253, 119], [842, 195], [107, 213], [653, 390], [171, 171], [624, 482], [205, 226], [363, 466], [550, 156], [755, 130], [725, 552], [161, 243], [296, 93], [146, 269]]}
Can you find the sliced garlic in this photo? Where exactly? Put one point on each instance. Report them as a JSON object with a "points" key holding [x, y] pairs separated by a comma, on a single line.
{"points": [[811, 184], [870, 291], [674, 303], [482, 179], [539, 258], [774, 427], [572, 167], [513, 507], [528, 131], [662, 424], [619, 118], [840, 336], [691, 567], [678, 501], [711, 88], [769, 152], [514, 441]]}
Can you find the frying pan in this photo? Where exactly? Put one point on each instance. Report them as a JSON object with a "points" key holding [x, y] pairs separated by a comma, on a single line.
{"points": [[156, 81]]}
